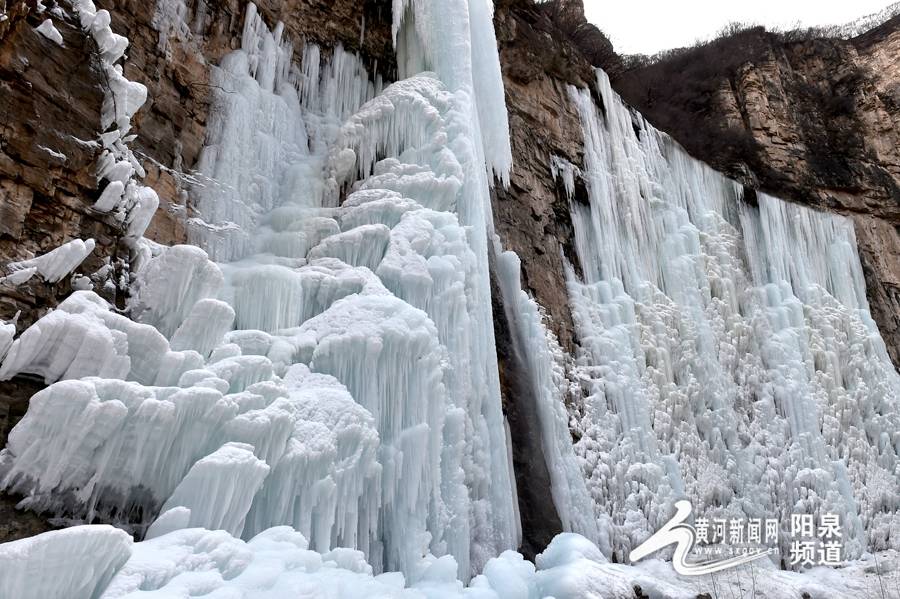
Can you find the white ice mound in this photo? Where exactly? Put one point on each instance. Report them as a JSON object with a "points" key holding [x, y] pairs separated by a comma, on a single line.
{"points": [[76, 563], [50, 32], [387, 354], [129, 445], [88, 562], [119, 449], [205, 327], [171, 284], [83, 337], [275, 564], [327, 482]]}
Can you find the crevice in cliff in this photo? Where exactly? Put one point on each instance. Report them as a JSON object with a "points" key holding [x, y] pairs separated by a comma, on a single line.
{"points": [[539, 516]]}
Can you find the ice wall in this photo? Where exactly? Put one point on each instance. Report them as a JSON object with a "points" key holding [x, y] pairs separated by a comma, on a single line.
{"points": [[324, 358], [727, 352]]}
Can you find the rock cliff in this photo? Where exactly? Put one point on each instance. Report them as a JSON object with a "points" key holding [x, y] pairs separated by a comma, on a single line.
{"points": [[804, 117]]}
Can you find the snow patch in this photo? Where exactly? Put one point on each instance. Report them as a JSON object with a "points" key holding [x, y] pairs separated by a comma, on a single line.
{"points": [[51, 33]]}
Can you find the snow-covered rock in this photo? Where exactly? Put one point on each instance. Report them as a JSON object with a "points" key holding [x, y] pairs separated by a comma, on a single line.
{"points": [[50, 32]]}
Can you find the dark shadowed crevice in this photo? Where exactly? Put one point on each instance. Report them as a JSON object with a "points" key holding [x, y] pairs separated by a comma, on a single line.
{"points": [[540, 520], [14, 396]]}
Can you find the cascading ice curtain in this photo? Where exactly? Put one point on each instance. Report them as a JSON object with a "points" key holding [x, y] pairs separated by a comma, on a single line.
{"points": [[727, 351]]}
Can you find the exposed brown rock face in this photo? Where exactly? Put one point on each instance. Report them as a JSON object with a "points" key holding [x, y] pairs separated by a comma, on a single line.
{"points": [[532, 219], [532, 216], [814, 121], [50, 99]]}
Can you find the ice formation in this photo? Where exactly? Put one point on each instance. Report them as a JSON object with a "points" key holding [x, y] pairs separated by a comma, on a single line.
{"points": [[7, 335], [757, 387], [53, 266], [131, 203], [50, 32], [308, 396], [545, 363], [76, 563], [325, 358], [278, 564]]}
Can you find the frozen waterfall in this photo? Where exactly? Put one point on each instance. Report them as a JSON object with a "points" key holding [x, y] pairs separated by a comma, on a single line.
{"points": [[727, 351], [325, 358], [308, 396]]}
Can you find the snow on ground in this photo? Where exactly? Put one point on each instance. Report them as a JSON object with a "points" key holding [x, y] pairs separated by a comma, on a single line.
{"points": [[278, 564]]}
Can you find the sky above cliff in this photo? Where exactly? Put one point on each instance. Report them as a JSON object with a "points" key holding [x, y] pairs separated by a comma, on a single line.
{"points": [[649, 26]]}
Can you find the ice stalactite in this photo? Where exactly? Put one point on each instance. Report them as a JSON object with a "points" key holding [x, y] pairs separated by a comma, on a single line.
{"points": [[54, 265], [456, 41], [727, 353], [219, 489], [324, 359]]}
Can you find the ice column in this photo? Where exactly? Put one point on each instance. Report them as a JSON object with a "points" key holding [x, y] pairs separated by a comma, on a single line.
{"points": [[456, 41]]}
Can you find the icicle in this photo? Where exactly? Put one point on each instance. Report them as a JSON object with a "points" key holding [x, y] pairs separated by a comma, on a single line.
{"points": [[53, 266], [697, 364]]}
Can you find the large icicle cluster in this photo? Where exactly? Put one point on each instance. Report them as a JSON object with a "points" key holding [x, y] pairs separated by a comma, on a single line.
{"points": [[727, 352], [131, 203], [332, 367]]}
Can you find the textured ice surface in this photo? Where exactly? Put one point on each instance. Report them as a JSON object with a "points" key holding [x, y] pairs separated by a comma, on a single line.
{"points": [[50, 32], [727, 351], [456, 40], [219, 488], [83, 337], [100, 562], [325, 358], [77, 563], [53, 266]]}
